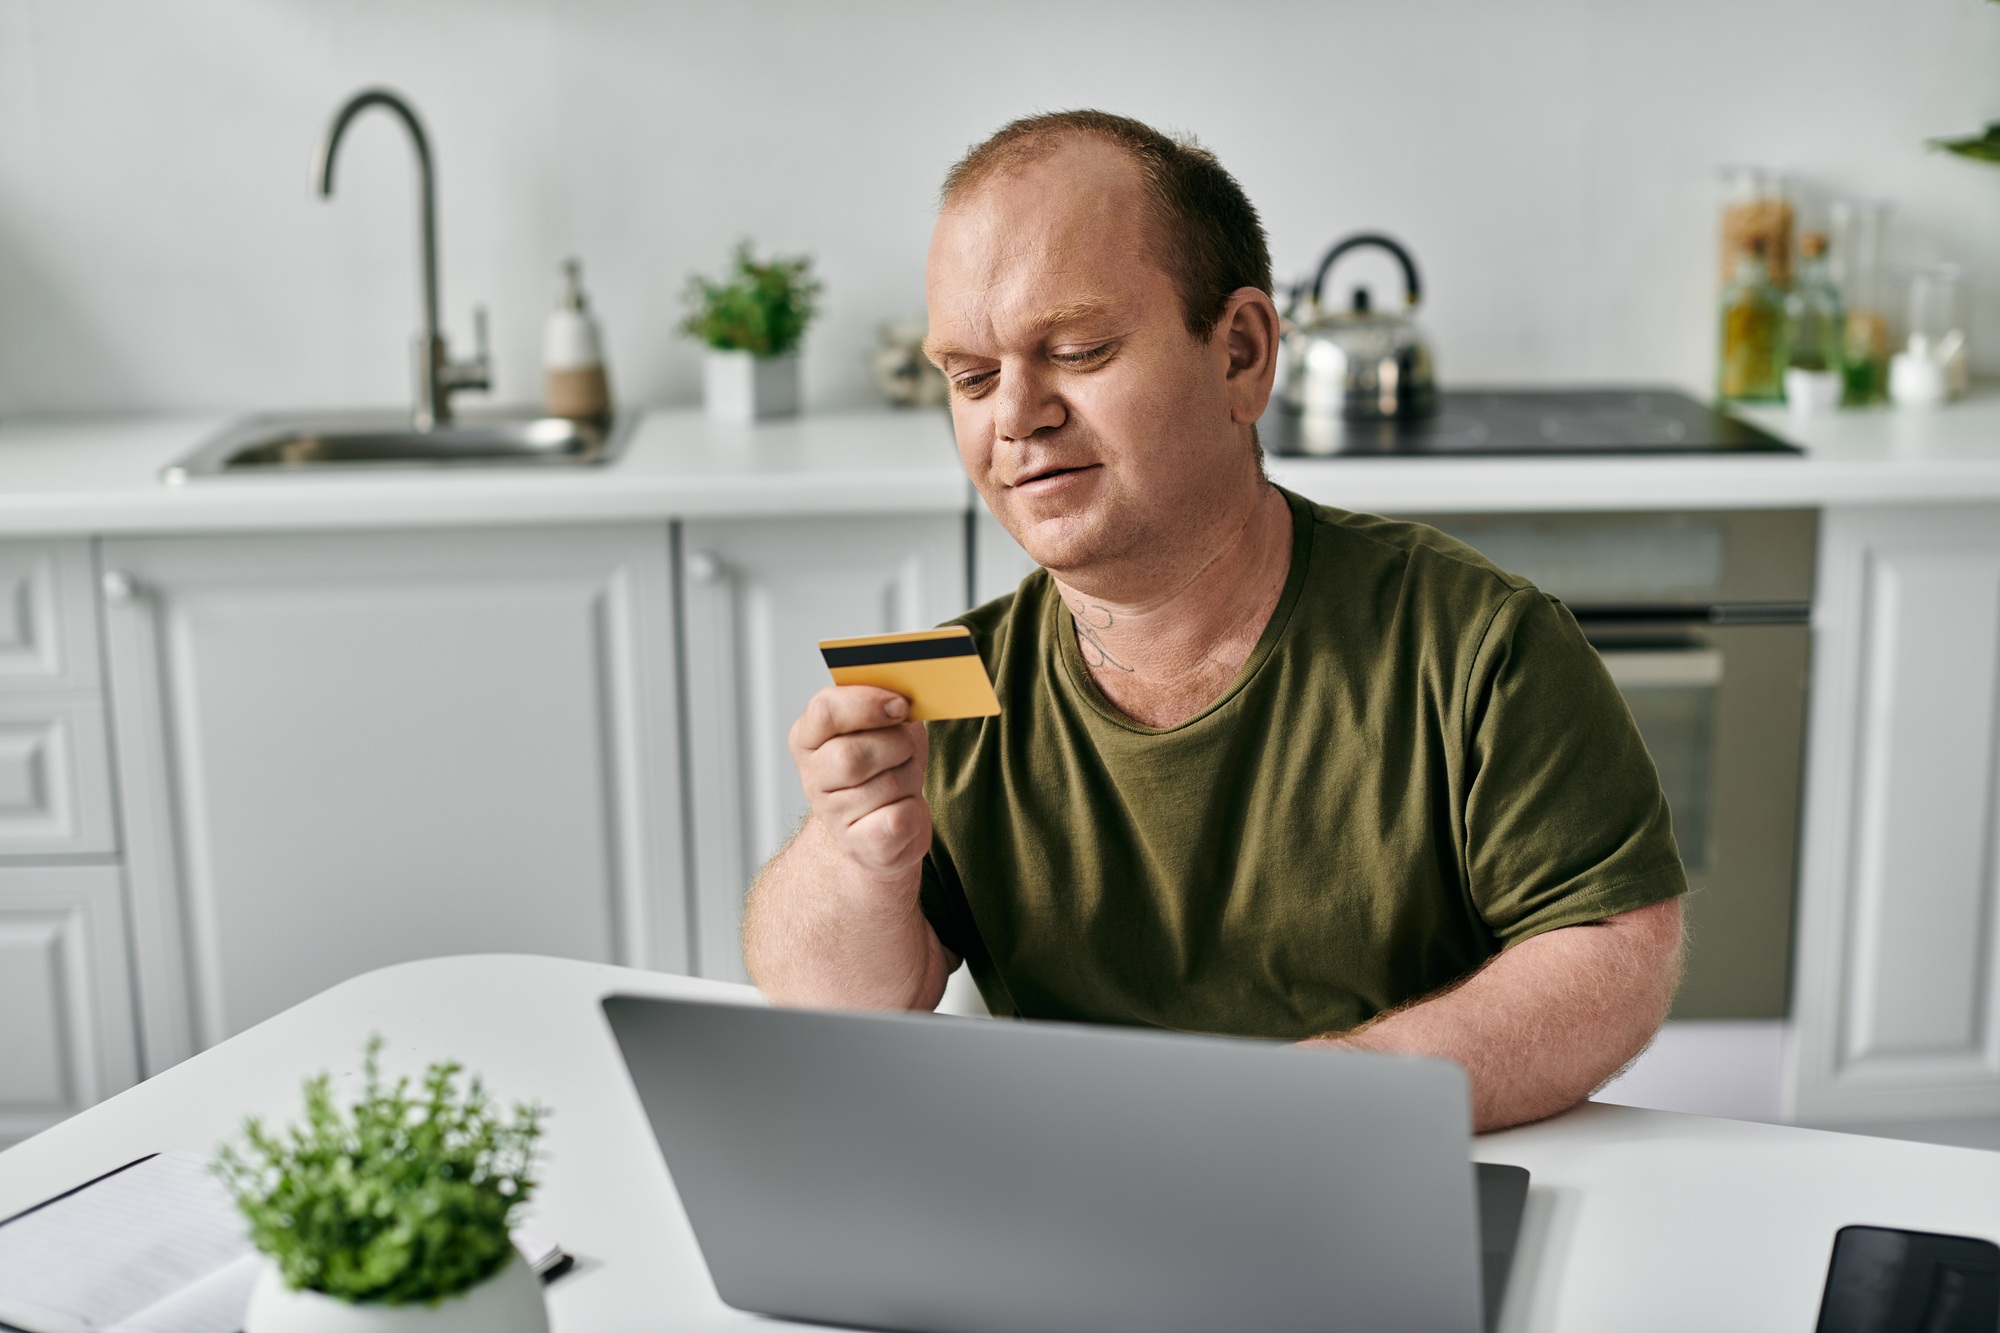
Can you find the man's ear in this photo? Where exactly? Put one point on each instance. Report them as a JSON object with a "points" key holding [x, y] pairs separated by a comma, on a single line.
{"points": [[1248, 337]]}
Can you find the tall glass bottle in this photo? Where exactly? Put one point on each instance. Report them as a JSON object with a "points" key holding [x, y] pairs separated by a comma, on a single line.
{"points": [[1855, 261], [1753, 357], [1815, 326]]}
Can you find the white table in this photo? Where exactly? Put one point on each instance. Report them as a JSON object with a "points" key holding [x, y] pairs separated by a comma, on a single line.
{"points": [[1637, 1220]]}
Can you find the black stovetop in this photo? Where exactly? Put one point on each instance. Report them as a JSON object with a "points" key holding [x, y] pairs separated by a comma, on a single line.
{"points": [[1530, 421]]}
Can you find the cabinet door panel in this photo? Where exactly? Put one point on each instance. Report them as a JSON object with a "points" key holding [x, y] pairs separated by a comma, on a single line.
{"points": [[758, 598], [55, 775], [48, 623], [66, 1037], [1922, 958], [347, 752], [1898, 998]]}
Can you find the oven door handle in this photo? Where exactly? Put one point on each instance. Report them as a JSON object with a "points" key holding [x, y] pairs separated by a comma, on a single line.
{"points": [[1695, 666]]}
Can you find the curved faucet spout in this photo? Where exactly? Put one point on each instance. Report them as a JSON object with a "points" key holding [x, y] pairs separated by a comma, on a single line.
{"points": [[329, 149], [437, 374]]}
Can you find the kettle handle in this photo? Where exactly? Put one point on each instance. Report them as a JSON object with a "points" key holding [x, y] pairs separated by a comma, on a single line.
{"points": [[1411, 290]]}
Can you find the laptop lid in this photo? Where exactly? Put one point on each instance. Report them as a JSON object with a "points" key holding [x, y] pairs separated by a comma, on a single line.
{"points": [[940, 1175]]}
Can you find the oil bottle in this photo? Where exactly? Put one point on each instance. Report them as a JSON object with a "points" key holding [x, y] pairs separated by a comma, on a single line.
{"points": [[1754, 353]]}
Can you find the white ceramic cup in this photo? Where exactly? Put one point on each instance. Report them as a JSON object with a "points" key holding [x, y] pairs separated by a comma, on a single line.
{"points": [[1809, 392], [1918, 380]]}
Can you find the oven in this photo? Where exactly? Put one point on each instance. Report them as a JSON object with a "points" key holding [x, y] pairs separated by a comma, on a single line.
{"points": [[1702, 620]]}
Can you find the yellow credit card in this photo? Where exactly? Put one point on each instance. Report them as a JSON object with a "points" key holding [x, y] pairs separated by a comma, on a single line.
{"points": [[938, 670]]}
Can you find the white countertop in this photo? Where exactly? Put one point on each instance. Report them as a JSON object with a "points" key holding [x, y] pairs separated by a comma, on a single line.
{"points": [[1636, 1220], [102, 476]]}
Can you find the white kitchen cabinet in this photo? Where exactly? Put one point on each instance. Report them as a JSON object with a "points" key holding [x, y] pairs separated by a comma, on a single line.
{"points": [[342, 751], [759, 595], [55, 758], [998, 562], [66, 1035], [1897, 1003]]}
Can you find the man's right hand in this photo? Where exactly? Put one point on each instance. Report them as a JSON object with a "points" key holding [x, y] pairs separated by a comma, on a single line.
{"points": [[834, 919], [861, 761]]}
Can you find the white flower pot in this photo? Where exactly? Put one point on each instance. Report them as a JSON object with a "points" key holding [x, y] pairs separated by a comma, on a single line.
{"points": [[508, 1302], [738, 387]]}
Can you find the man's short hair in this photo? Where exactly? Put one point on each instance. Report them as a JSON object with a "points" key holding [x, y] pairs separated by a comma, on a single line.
{"points": [[1212, 241]]}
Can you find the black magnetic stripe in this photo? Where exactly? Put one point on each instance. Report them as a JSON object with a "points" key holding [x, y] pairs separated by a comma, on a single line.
{"points": [[915, 650]]}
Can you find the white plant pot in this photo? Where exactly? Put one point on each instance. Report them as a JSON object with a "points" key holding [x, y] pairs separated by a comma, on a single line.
{"points": [[508, 1302], [738, 387]]}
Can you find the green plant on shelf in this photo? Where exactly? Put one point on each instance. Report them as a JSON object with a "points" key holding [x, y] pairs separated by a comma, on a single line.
{"points": [[758, 307], [405, 1198], [1981, 147]]}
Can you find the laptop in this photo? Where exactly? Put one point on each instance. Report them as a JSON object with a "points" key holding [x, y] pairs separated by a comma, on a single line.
{"points": [[928, 1174]]}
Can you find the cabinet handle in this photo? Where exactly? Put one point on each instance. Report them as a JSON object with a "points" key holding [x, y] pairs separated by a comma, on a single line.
{"points": [[703, 567], [120, 588]]}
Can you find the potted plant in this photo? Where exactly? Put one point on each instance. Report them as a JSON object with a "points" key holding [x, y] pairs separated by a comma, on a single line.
{"points": [[752, 321], [391, 1216]]}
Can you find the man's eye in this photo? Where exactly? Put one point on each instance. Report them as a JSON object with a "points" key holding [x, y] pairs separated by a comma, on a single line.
{"points": [[1090, 356], [974, 384]]}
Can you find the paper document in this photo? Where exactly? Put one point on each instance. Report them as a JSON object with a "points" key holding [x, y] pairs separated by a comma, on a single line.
{"points": [[155, 1247], [94, 1259]]}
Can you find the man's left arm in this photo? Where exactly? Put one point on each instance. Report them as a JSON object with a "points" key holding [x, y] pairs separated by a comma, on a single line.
{"points": [[1571, 864], [1543, 1025]]}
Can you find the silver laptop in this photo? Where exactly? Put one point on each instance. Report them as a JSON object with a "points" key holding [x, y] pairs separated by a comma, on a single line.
{"points": [[945, 1175]]}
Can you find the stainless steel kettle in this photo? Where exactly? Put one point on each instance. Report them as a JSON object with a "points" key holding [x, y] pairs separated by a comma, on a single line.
{"points": [[1358, 363]]}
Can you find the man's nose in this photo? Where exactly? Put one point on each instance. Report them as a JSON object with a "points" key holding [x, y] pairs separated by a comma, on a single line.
{"points": [[1026, 403]]}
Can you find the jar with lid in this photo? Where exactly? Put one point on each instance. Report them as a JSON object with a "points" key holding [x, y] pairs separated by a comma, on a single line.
{"points": [[1756, 210], [1854, 259], [1930, 366], [1754, 355]]}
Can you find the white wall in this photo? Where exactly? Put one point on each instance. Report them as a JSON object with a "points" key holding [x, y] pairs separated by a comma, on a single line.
{"points": [[1551, 162]]}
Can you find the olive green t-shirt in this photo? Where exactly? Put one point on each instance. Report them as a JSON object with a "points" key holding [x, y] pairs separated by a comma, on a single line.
{"points": [[1421, 763]]}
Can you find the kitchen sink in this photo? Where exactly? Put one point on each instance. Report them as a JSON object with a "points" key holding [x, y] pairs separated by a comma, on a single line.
{"points": [[341, 443]]}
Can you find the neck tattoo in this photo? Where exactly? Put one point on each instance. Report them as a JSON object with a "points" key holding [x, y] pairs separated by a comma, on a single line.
{"points": [[1090, 621]]}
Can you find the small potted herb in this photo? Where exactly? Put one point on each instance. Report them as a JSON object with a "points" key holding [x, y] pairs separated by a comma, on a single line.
{"points": [[391, 1216], [752, 321]]}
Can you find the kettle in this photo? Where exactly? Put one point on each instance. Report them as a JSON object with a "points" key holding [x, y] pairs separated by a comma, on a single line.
{"points": [[1360, 363]]}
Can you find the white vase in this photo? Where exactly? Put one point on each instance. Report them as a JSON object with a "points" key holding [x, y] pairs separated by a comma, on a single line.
{"points": [[508, 1302], [739, 387]]}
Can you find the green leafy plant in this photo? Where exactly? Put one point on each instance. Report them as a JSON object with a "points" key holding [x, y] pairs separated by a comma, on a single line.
{"points": [[1979, 147], [1983, 147], [761, 308], [402, 1199]]}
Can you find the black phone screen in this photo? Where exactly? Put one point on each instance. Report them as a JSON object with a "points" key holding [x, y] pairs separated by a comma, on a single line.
{"points": [[1882, 1280]]}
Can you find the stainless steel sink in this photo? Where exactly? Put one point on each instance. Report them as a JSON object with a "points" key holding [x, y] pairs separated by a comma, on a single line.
{"points": [[337, 443], [432, 434]]}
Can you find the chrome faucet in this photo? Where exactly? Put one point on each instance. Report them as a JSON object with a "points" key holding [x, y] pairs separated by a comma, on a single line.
{"points": [[438, 376]]}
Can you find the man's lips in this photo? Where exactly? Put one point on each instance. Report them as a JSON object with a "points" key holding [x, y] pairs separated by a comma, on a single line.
{"points": [[1048, 478]]}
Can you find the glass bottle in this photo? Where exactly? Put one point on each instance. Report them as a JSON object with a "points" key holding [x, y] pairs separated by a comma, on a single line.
{"points": [[1753, 333], [1815, 326], [1855, 261], [1935, 296]]}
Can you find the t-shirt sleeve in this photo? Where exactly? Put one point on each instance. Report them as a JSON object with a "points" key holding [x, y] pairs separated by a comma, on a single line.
{"points": [[943, 901], [1565, 822]]}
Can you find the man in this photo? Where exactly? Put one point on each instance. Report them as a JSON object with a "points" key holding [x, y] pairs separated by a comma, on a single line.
{"points": [[1262, 768]]}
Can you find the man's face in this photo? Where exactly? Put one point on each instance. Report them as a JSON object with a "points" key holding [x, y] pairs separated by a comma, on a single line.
{"points": [[1093, 423]]}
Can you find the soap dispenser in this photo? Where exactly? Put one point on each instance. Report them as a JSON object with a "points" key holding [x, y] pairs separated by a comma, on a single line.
{"points": [[573, 355]]}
